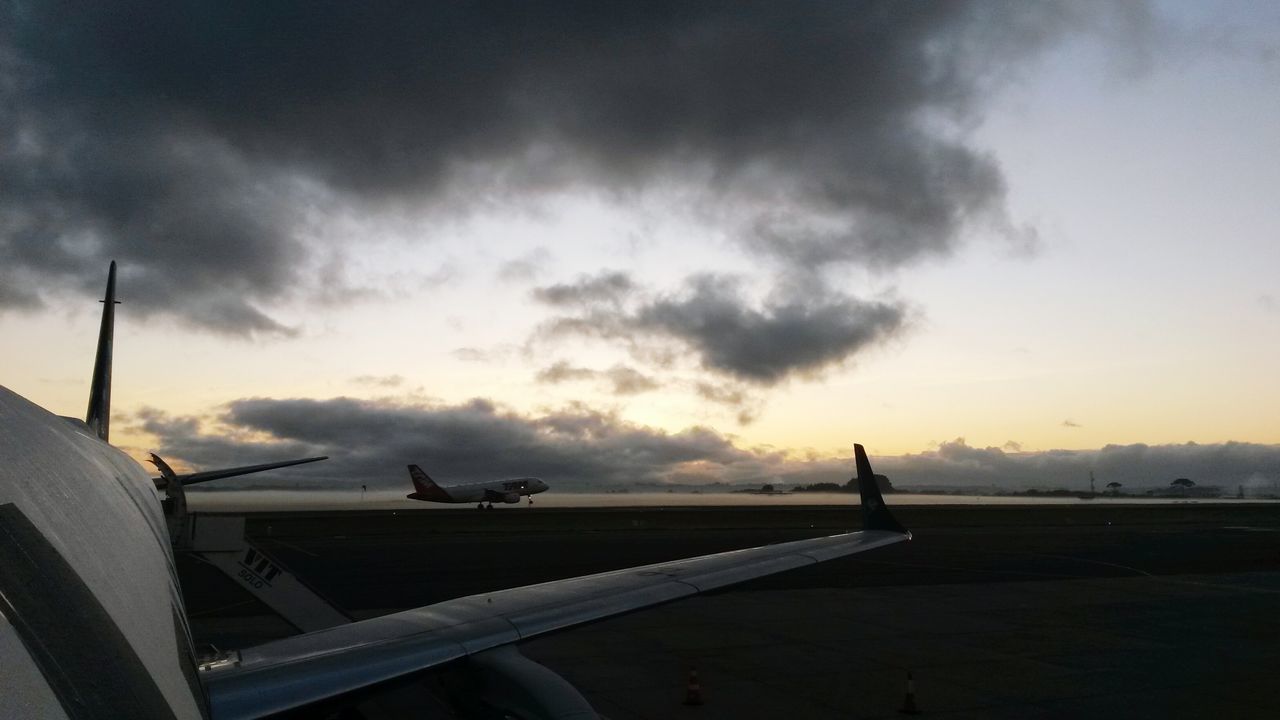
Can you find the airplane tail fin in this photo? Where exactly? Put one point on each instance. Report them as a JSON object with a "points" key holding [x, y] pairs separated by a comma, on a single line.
{"points": [[424, 487], [875, 514], [98, 418]]}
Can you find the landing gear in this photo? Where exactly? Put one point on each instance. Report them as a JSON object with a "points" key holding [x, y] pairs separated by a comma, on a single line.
{"points": [[480, 506], [530, 499], [489, 506]]}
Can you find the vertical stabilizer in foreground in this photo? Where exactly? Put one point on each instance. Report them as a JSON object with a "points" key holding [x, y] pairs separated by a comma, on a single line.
{"points": [[98, 418]]}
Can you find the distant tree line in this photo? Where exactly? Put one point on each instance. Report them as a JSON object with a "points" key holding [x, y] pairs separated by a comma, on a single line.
{"points": [[1179, 487], [849, 487]]}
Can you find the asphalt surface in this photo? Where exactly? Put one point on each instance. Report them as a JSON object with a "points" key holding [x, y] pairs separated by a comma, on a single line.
{"points": [[1115, 611], [377, 561]]}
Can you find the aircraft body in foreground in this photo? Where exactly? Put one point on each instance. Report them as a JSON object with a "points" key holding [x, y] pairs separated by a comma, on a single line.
{"points": [[92, 622], [503, 491]]}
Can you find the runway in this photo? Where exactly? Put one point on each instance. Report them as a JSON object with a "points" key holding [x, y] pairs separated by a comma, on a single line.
{"points": [[1133, 611]]}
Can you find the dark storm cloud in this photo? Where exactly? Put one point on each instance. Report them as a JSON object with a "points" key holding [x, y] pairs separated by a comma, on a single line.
{"points": [[370, 442], [185, 439], [790, 335], [205, 146], [764, 346], [197, 231]]}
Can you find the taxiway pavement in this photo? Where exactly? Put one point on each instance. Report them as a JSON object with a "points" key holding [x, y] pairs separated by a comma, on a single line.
{"points": [[1010, 611]]}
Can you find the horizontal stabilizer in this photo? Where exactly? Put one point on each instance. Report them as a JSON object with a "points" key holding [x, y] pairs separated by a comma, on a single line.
{"points": [[193, 478]]}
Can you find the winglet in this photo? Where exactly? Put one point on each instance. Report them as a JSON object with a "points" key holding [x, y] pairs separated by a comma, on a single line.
{"points": [[98, 418], [875, 514]]}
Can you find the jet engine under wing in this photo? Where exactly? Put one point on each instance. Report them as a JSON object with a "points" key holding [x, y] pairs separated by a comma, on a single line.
{"points": [[296, 671]]}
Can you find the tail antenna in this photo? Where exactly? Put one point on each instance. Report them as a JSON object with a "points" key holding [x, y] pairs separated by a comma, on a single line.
{"points": [[98, 417]]}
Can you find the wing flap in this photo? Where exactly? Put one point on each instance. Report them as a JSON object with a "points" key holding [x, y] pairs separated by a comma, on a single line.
{"points": [[296, 671]]}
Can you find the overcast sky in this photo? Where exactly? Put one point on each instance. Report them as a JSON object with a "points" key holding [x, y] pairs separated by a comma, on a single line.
{"points": [[663, 242]]}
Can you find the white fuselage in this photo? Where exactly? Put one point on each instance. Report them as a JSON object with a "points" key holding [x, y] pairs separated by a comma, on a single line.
{"points": [[495, 491], [66, 494]]}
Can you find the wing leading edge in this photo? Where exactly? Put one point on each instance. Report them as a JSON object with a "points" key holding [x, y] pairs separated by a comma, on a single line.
{"points": [[300, 670]]}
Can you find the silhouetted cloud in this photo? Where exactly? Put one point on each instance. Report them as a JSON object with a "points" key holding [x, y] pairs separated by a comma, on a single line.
{"points": [[721, 394], [764, 346], [470, 354], [622, 380], [748, 406], [576, 447], [386, 381], [210, 147], [563, 371], [606, 287], [955, 463], [788, 335], [371, 441], [629, 381], [188, 441], [493, 354], [525, 268]]}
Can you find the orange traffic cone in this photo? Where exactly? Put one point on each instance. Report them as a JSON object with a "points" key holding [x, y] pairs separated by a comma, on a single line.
{"points": [[909, 701], [693, 691]]}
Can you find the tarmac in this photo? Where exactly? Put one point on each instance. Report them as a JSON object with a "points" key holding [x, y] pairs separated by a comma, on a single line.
{"points": [[1010, 611]]}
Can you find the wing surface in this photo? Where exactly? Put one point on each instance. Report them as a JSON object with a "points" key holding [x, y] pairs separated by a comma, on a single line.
{"points": [[295, 671]]}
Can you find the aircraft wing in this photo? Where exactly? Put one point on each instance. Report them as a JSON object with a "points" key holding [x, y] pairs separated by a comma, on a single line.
{"points": [[296, 671]]}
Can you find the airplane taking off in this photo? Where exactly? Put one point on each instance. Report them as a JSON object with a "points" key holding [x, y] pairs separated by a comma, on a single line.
{"points": [[92, 621], [503, 491]]}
